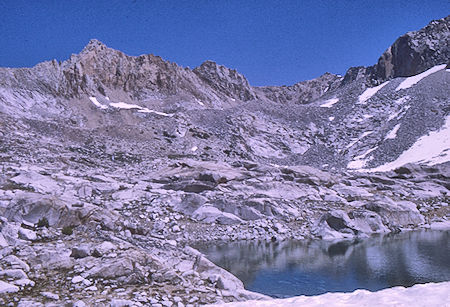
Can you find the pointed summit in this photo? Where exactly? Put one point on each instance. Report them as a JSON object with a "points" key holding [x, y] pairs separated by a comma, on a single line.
{"points": [[94, 44]]}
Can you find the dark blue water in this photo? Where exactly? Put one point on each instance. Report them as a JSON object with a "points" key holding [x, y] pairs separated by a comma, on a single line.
{"points": [[284, 269]]}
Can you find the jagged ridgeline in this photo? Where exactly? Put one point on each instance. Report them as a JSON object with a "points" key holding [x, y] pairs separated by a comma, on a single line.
{"points": [[331, 121], [113, 165]]}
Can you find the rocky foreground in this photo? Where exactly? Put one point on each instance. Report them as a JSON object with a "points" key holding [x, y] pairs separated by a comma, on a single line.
{"points": [[121, 236]]}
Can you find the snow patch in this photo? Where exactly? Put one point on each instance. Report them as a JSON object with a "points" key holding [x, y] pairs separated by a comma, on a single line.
{"points": [[357, 164], [127, 106], [408, 82], [358, 139], [393, 133], [146, 110], [430, 149], [362, 99], [430, 294], [97, 104], [361, 161], [444, 225], [194, 149], [396, 114], [331, 118], [199, 102], [329, 103], [123, 105]]}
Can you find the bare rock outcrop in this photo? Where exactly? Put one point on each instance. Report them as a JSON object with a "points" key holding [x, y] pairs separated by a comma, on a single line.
{"points": [[416, 51], [411, 54], [301, 92], [225, 80]]}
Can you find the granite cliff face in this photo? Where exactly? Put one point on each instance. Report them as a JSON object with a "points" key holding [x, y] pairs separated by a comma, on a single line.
{"points": [[411, 54], [225, 80], [415, 52], [112, 165]]}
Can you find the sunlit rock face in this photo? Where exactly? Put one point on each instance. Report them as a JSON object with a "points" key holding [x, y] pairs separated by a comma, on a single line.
{"points": [[416, 52]]}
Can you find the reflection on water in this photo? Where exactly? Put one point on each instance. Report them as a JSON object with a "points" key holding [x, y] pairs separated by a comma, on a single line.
{"points": [[283, 269]]}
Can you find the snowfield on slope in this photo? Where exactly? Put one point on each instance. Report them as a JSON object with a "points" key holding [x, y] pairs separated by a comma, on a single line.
{"points": [[353, 142], [423, 295], [329, 103], [360, 161], [97, 103], [430, 149], [393, 133], [368, 93], [126, 106], [410, 81], [123, 105]]}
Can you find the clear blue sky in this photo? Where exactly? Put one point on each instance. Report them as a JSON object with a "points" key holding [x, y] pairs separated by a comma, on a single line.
{"points": [[271, 42]]}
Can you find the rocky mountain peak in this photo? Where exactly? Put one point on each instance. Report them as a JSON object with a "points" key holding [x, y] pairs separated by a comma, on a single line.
{"points": [[416, 51], [96, 51], [225, 79], [94, 45], [411, 54]]}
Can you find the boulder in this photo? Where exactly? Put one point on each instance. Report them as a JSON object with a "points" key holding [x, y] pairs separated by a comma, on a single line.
{"points": [[80, 251], [247, 211], [50, 295], [333, 225], [396, 213], [53, 259], [112, 268], [36, 182], [351, 193], [10, 232], [13, 273], [189, 203], [79, 304], [26, 234], [338, 224], [103, 249], [210, 214], [16, 262], [367, 222], [24, 282], [32, 207], [7, 288], [208, 270]]}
